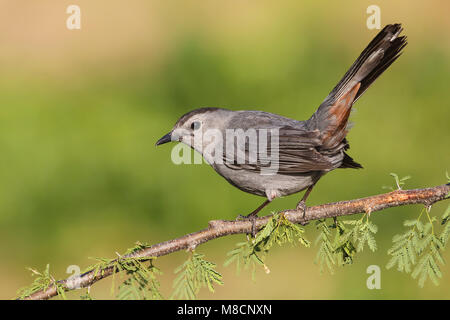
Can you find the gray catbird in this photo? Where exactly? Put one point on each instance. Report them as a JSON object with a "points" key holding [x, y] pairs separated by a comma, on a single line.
{"points": [[306, 150]]}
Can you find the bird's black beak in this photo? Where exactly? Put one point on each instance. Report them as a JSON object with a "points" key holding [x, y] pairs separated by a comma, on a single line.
{"points": [[165, 139]]}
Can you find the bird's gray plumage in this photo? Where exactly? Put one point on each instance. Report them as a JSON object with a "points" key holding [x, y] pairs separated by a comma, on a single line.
{"points": [[306, 149]]}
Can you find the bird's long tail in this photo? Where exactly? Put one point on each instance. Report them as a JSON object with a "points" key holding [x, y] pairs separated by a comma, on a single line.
{"points": [[332, 115]]}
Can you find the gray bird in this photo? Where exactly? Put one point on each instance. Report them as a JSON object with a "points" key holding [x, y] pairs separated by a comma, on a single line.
{"points": [[305, 150]]}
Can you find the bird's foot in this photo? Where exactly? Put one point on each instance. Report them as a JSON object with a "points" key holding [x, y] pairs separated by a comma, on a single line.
{"points": [[302, 206], [252, 218]]}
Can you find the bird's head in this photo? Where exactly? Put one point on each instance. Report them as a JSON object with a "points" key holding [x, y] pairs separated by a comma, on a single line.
{"points": [[196, 123]]}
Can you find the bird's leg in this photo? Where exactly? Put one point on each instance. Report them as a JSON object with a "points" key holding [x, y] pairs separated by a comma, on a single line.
{"points": [[301, 204], [253, 215]]}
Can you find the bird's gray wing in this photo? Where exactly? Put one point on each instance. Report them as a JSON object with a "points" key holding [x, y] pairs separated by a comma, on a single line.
{"points": [[292, 150]]}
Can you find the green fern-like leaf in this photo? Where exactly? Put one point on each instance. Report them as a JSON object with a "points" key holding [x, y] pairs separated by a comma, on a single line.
{"points": [[245, 255], [399, 182], [403, 251], [325, 254], [194, 274], [362, 233], [278, 230], [344, 248], [141, 282], [427, 268], [42, 281], [419, 249]]}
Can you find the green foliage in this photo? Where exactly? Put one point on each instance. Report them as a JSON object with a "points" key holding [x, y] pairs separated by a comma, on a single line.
{"points": [[350, 236], [419, 249], [86, 295], [141, 283], [400, 182], [246, 255], [403, 251], [278, 230], [362, 232], [194, 274], [344, 247], [325, 255], [42, 281], [100, 267], [140, 274]]}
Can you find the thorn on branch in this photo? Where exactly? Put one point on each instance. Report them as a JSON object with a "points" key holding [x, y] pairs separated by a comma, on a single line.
{"points": [[191, 246], [213, 224]]}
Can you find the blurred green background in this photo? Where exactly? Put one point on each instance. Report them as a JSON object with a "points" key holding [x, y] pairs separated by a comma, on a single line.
{"points": [[81, 110]]}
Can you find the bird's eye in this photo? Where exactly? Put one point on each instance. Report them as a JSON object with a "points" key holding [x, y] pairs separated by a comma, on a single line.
{"points": [[195, 125]]}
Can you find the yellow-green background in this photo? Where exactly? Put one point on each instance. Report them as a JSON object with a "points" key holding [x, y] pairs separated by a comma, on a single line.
{"points": [[81, 110]]}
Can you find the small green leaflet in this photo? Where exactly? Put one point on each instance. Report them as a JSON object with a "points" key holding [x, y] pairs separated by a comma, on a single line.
{"points": [[194, 274]]}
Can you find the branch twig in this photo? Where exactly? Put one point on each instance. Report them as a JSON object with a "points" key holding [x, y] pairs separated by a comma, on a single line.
{"points": [[221, 228]]}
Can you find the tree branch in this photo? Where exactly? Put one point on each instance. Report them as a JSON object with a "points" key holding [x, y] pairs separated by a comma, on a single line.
{"points": [[221, 228]]}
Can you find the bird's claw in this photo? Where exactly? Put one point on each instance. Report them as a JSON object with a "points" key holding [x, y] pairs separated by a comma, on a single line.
{"points": [[252, 219], [302, 206]]}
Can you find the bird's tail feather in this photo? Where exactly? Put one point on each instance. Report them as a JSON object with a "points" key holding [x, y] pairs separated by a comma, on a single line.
{"points": [[332, 115]]}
